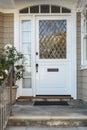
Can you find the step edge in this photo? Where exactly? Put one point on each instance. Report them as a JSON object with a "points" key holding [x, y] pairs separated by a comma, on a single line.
{"points": [[47, 118]]}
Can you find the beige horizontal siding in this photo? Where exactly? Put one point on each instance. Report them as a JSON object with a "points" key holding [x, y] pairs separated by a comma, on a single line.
{"points": [[8, 29], [79, 74], [84, 85], [1, 30]]}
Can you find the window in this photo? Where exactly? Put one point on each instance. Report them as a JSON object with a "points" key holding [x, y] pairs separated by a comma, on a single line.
{"points": [[52, 39], [84, 43], [26, 50], [34, 9], [55, 9], [25, 10], [65, 10], [45, 9]]}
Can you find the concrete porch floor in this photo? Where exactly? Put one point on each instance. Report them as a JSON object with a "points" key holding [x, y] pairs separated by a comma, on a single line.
{"points": [[76, 110], [46, 128]]}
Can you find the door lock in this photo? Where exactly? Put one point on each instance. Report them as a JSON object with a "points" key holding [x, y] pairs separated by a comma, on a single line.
{"points": [[36, 67], [36, 53]]}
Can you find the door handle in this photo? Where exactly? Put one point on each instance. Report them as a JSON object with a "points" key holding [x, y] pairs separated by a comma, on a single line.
{"points": [[36, 67]]}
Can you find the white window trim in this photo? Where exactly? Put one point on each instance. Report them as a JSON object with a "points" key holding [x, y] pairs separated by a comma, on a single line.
{"points": [[83, 35]]}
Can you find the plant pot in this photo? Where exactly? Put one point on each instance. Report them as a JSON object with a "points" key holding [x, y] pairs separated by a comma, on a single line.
{"points": [[7, 94], [14, 93]]}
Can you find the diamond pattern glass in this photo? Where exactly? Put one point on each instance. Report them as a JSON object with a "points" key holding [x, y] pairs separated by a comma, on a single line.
{"points": [[52, 39]]}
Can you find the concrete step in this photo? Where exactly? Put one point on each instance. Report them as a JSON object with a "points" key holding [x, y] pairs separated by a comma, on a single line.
{"points": [[47, 121], [27, 114]]}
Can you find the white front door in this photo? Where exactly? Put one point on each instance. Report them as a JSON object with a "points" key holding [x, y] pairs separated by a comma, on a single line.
{"points": [[53, 55]]}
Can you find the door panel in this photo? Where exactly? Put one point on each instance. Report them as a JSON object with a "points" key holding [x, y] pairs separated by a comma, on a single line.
{"points": [[53, 82], [54, 66]]}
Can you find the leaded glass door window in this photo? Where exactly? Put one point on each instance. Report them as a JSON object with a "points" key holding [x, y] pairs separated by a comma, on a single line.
{"points": [[52, 39]]}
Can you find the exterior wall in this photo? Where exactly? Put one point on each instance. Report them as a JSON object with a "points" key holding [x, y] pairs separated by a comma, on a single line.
{"points": [[1, 30], [8, 29], [84, 85], [81, 74], [7, 36], [79, 85]]}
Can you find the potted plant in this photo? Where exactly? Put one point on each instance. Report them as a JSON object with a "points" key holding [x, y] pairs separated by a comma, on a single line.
{"points": [[9, 56]]}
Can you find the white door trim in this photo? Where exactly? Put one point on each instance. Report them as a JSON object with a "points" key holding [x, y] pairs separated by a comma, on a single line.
{"points": [[73, 53]]}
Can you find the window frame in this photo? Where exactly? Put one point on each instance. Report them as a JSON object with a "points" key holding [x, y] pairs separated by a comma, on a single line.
{"points": [[62, 9], [84, 43]]}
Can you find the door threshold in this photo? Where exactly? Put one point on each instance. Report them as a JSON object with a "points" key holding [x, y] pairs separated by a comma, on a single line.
{"points": [[53, 97], [44, 97]]}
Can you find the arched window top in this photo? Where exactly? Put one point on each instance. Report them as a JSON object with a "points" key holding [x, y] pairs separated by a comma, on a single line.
{"points": [[45, 9]]}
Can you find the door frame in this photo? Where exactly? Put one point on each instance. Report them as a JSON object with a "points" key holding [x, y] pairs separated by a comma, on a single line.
{"points": [[73, 40]]}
